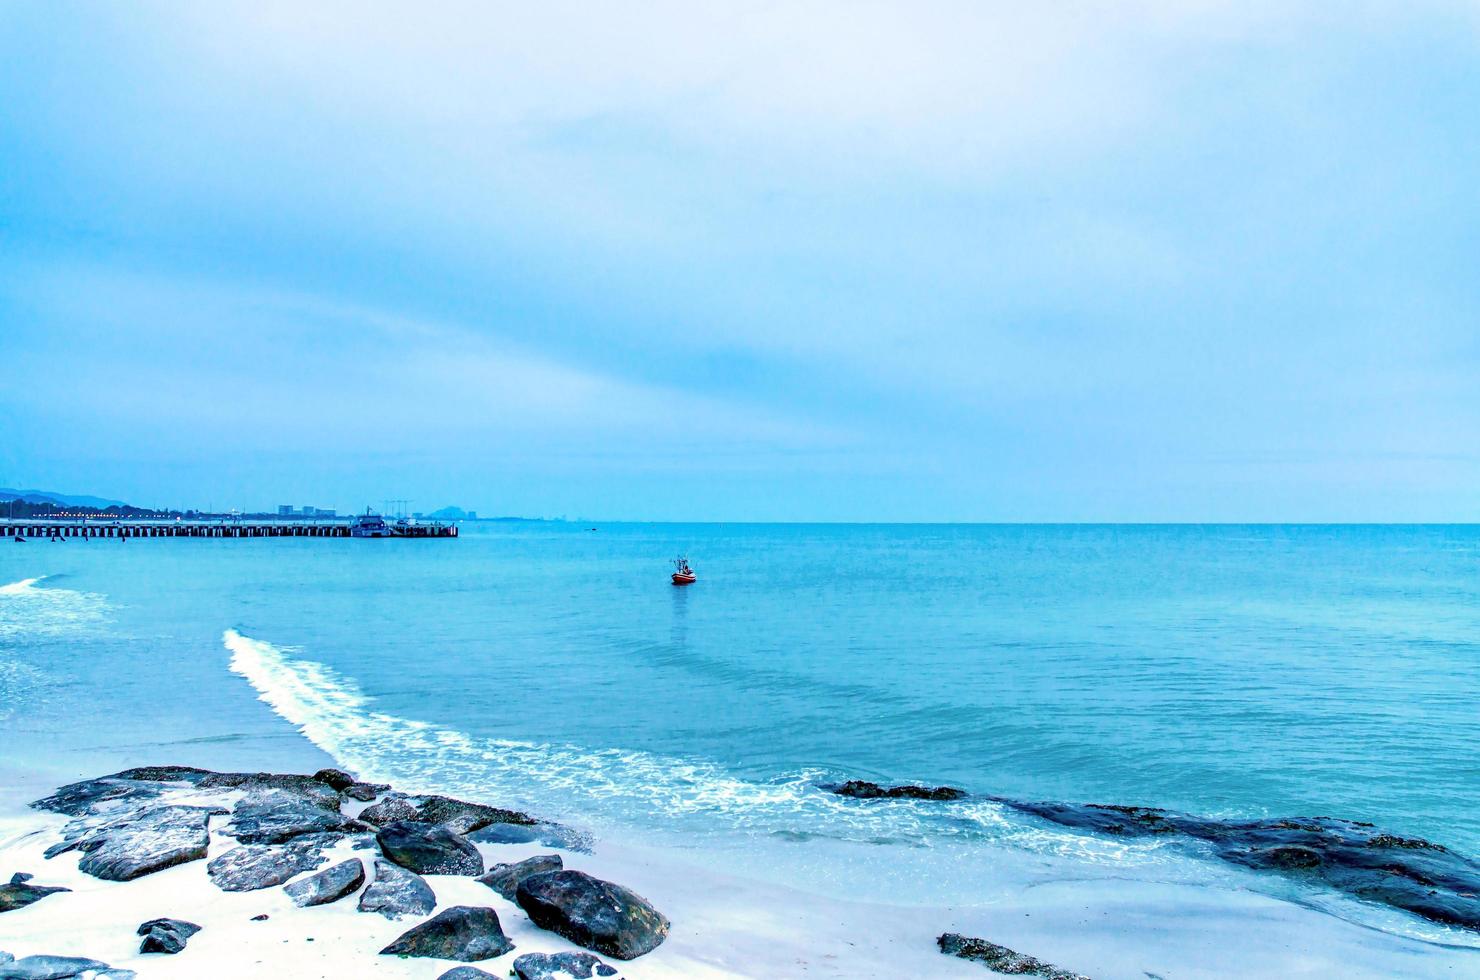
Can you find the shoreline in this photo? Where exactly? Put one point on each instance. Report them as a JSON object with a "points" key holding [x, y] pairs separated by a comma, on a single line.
{"points": [[723, 925]]}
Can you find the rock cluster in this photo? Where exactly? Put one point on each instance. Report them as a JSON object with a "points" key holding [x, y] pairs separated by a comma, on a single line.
{"points": [[1404, 872], [142, 820], [58, 968], [861, 789]]}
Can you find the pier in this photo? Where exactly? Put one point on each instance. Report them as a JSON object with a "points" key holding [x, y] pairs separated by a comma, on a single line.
{"points": [[45, 529]]}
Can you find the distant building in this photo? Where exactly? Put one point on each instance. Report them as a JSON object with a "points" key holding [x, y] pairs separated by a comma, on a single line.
{"points": [[472, 515], [285, 510], [321, 512]]}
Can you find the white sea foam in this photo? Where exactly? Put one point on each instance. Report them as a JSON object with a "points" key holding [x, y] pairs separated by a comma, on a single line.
{"points": [[333, 713], [28, 610]]}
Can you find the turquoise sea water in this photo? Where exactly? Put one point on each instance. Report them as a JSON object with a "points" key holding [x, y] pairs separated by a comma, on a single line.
{"points": [[1229, 671]]}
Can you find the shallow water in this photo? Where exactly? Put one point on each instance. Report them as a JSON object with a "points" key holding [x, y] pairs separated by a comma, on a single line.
{"points": [[1233, 671]]}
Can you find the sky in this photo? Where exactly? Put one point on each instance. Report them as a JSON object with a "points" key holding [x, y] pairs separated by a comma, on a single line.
{"points": [[1139, 260]]}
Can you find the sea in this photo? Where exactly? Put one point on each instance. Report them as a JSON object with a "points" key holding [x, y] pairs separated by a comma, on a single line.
{"points": [[1225, 671]]}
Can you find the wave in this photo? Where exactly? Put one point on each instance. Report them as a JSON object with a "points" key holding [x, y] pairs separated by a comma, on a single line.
{"points": [[29, 611], [621, 786]]}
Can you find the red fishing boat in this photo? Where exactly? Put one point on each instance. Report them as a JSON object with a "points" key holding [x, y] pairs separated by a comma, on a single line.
{"points": [[682, 573]]}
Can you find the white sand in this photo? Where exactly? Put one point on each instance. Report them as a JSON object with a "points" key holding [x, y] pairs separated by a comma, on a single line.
{"points": [[723, 926]]}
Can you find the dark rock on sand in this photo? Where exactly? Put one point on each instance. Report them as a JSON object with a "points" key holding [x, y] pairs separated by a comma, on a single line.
{"points": [[91, 797], [141, 842], [429, 849], [336, 779], [541, 832], [396, 806], [271, 816], [596, 914], [1404, 872], [1000, 959], [166, 935], [58, 968], [505, 878], [466, 973], [396, 892], [306, 787], [329, 885], [19, 893], [260, 918], [460, 933], [365, 792], [560, 966], [860, 789], [464, 818], [249, 867]]}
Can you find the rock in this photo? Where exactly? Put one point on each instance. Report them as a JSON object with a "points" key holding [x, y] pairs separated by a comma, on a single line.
{"points": [[249, 867], [389, 810], [20, 878], [18, 894], [271, 816], [466, 973], [166, 935], [141, 843], [329, 885], [92, 797], [260, 918], [560, 966], [429, 849], [6, 958], [396, 892], [542, 832], [860, 789], [505, 878], [365, 792], [463, 818], [55, 968], [1000, 959], [1406, 873], [596, 914], [460, 933], [335, 779], [306, 788]]}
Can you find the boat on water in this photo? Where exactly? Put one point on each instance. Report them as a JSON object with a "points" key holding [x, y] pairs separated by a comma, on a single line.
{"points": [[682, 573], [368, 525]]}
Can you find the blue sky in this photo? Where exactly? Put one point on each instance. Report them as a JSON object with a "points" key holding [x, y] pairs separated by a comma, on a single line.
{"points": [[858, 261]]}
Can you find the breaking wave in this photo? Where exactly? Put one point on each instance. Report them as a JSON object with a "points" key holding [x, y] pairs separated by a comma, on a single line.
{"points": [[29, 611], [613, 785]]}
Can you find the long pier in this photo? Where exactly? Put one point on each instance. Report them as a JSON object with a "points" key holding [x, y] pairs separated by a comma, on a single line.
{"points": [[34, 527]]}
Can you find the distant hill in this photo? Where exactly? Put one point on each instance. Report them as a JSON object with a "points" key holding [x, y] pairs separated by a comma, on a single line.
{"points": [[453, 514], [52, 497]]}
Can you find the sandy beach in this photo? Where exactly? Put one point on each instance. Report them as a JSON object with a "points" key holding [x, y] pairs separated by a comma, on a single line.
{"points": [[722, 925]]}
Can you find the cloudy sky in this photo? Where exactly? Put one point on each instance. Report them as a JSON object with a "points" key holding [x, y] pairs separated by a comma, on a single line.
{"points": [[1132, 260]]}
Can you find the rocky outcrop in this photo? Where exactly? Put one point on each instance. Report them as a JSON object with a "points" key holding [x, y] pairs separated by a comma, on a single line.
{"points": [[396, 892], [329, 885], [462, 933], [463, 818], [395, 806], [1000, 959], [273, 815], [166, 935], [466, 973], [860, 789], [20, 893], [505, 878], [58, 968], [596, 914], [560, 966], [140, 842], [249, 867], [429, 849], [1404, 872]]}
